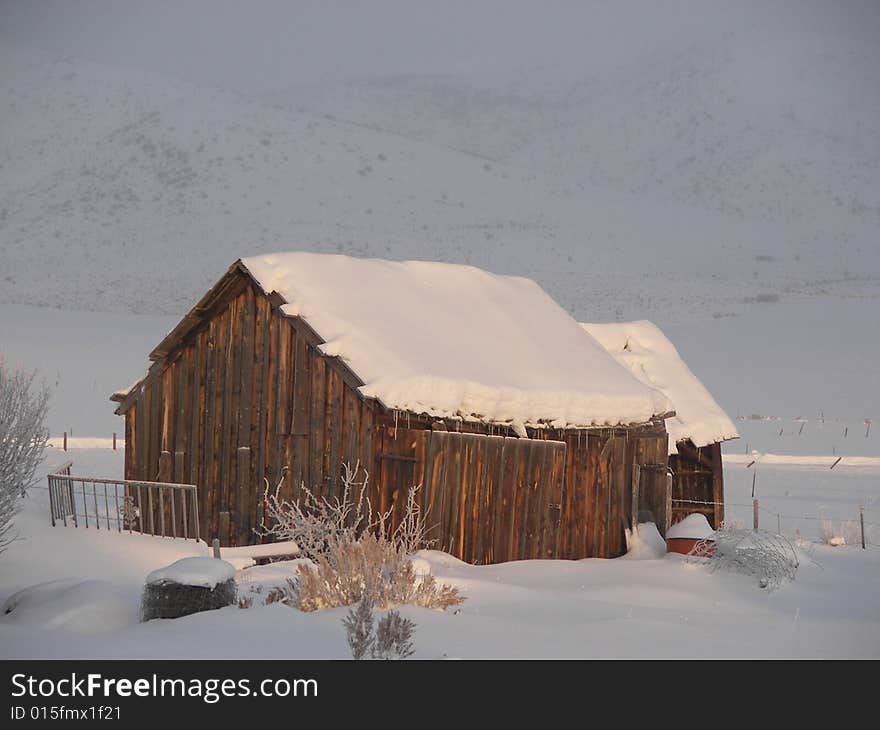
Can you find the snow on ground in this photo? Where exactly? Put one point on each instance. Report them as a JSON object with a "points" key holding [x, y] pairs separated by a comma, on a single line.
{"points": [[646, 543], [660, 606], [42, 553], [802, 496]]}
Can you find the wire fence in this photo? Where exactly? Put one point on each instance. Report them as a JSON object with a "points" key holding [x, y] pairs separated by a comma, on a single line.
{"points": [[844, 525]]}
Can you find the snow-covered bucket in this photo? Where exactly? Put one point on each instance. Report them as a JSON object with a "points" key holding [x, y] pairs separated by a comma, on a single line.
{"points": [[188, 586], [684, 535]]}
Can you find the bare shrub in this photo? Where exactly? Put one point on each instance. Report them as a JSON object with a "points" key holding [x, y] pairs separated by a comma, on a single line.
{"points": [[275, 595], [352, 556], [314, 523], [359, 629], [369, 566], [768, 557], [393, 637], [23, 437]]}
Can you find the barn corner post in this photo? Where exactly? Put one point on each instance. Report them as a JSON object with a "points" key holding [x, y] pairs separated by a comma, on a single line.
{"points": [[717, 486], [636, 487], [667, 513]]}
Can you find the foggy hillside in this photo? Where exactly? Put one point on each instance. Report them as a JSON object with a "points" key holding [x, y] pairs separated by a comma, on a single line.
{"points": [[669, 166]]}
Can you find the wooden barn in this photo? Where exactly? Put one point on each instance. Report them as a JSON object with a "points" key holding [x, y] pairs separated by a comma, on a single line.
{"points": [[528, 439], [699, 426]]}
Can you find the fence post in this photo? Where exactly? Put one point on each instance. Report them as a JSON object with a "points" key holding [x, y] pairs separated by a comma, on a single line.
{"points": [[755, 512], [195, 511], [862, 523], [114, 440], [52, 499], [65, 440], [215, 544]]}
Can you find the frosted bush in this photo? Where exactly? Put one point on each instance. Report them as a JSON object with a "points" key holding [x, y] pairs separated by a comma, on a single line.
{"points": [[770, 558], [353, 557], [23, 436], [314, 523], [369, 566]]}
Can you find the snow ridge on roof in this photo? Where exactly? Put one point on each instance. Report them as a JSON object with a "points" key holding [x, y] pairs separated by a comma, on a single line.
{"points": [[653, 359], [456, 341]]}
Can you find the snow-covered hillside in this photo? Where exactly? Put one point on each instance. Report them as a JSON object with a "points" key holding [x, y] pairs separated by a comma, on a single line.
{"points": [[670, 163]]}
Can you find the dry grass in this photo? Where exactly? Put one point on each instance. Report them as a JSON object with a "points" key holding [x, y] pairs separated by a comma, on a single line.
{"points": [[843, 532], [370, 566]]}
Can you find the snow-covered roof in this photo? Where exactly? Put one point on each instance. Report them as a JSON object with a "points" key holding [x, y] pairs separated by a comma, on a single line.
{"points": [[456, 341], [653, 359], [122, 393]]}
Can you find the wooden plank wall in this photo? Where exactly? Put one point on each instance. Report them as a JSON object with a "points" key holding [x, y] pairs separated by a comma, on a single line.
{"points": [[597, 503], [698, 476], [487, 499], [480, 491], [244, 395]]}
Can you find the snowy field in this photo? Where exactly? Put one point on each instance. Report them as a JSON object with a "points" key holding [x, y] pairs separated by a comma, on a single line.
{"points": [[665, 607]]}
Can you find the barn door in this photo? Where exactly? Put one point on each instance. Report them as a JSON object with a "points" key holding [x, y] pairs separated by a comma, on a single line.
{"points": [[654, 496], [396, 473], [486, 499]]}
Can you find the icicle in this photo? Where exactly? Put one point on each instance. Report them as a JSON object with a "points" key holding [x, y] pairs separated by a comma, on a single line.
{"points": [[396, 415]]}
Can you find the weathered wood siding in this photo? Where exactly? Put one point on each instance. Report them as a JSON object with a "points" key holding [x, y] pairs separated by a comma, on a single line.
{"points": [[486, 499], [597, 497], [244, 395], [558, 494], [698, 476]]}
